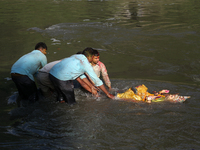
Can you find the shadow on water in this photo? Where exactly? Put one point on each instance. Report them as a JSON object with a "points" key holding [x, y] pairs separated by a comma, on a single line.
{"points": [[101, 123]]}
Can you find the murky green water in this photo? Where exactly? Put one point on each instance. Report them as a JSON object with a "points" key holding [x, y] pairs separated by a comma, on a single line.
{"points": [[151, 42]]}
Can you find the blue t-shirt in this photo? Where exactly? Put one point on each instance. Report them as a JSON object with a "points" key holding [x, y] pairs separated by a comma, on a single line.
{"points": [[29, 64], [73, 67]]}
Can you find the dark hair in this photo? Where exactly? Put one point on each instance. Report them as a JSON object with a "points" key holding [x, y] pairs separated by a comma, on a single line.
{"points": [[95, 52], [88, 52], [40, 45], [79, 52]]}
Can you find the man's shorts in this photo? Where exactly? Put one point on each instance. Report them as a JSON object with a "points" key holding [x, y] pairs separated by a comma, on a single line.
{"points": [[64, 89], [26, 87]]}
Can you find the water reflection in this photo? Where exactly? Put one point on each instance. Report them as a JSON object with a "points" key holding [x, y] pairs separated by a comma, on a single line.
{"points": [[156, 14]]}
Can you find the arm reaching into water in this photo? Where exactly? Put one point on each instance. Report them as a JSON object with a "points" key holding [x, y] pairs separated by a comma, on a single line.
{"points": [[102, 87], [90, 72], [87, 85]]}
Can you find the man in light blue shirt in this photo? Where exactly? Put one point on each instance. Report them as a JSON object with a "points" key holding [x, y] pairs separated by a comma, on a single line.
{"points": [[46, 85], [23, 70], [64, 72]]}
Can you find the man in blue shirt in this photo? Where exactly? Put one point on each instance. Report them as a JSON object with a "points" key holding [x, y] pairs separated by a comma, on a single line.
{"points": [[46, 85], [63, 73], [23, 70]]}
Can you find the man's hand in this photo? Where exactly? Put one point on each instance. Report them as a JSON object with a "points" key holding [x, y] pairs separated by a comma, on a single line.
{"points": [[94, 90], [110, 96]]}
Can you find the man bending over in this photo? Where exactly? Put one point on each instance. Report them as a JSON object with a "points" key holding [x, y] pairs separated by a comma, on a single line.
{"points": [[62, 74], [23, 70]]}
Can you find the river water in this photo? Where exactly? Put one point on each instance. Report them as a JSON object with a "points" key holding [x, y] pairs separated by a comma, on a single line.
{"points": [[150, 42]]}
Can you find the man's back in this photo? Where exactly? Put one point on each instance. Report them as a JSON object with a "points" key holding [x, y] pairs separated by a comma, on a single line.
{"points": [[72, 67], [29, 63], [69, 68]]}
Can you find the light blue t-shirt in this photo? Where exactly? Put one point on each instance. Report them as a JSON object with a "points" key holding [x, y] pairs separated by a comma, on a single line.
{"points": [[73, 67], [29, 64]]}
